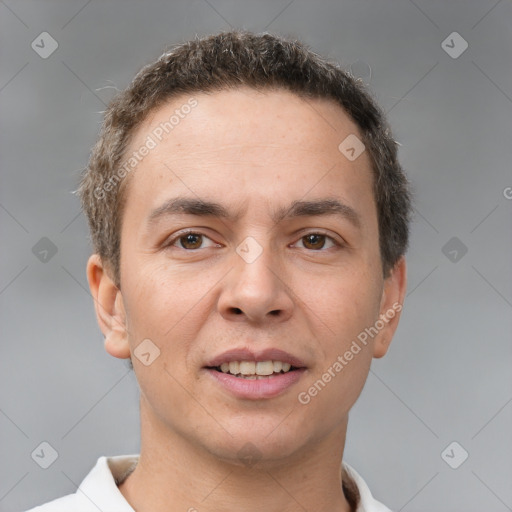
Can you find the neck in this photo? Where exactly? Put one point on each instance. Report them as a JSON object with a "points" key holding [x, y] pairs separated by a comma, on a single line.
{"points": [[174, 474]]}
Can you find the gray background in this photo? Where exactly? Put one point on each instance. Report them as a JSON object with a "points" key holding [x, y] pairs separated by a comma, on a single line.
{"points": [[448, 375]]}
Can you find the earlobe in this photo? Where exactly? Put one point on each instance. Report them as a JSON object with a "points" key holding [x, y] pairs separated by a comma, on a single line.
{"points": [[110, 312], [393, 296], [116, 344]]}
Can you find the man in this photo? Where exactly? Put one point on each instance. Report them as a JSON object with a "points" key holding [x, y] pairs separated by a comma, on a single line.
{"points": [[249, 219]]}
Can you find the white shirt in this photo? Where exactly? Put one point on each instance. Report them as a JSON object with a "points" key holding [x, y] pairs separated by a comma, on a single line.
{"points": [[99, 490]]}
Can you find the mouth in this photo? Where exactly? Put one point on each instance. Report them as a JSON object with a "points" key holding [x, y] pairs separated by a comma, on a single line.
{"points": [[248, 375], [254, 370]]}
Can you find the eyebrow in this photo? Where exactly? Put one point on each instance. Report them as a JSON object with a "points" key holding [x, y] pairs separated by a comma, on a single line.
{"points": [[204, 208]]}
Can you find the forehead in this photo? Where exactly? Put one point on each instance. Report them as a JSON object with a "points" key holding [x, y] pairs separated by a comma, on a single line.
{"points": [[247, 116], [246, 142]]}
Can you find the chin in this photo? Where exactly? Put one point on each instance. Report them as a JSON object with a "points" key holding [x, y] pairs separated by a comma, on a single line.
{"points": [[247, 447]]}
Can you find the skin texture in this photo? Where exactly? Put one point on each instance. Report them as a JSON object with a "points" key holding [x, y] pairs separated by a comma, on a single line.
{"points": [[254, 153]]}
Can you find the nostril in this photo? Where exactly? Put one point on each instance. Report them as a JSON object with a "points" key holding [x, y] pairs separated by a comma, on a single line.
{"points": [[237, 311]]}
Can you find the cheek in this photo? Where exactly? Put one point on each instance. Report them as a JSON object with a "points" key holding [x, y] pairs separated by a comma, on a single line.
{"points": [[168, 307], [346, 303], [342, 312], [159, 299], [162, 308]]}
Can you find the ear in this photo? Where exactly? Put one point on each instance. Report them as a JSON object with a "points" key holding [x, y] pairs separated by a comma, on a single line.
{"points": [[393, 295], [109, 306]]}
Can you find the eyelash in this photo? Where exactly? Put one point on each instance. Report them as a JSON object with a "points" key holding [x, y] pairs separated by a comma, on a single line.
{"points": [[182, 234]]}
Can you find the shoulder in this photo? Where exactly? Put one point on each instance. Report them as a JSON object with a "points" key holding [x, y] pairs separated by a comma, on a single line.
{"points": [[76, 502], [98, 491]]}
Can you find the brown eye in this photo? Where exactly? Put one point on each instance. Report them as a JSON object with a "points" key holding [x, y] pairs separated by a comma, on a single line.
{"points": [[314, 241], [191, 241], [318, 242]]}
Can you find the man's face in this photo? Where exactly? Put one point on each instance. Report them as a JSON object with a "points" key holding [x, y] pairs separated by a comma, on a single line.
{"points": [[282, 277]]}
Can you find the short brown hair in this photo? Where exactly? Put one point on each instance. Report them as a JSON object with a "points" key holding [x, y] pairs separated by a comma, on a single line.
{"points": [[226, 61]]}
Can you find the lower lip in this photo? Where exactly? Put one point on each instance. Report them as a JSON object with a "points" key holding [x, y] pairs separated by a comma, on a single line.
{"points": [[255, 389]]}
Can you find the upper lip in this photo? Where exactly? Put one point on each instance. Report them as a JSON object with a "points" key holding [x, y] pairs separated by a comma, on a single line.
{"points": [[245, 354]]}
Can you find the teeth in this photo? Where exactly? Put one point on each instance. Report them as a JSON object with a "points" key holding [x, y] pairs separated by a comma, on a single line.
{"points": [[247, 367], [252, 370], [252, 377], [264, 368]]}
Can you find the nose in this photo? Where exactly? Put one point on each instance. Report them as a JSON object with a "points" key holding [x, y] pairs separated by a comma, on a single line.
{"points": [[256, 290]]}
